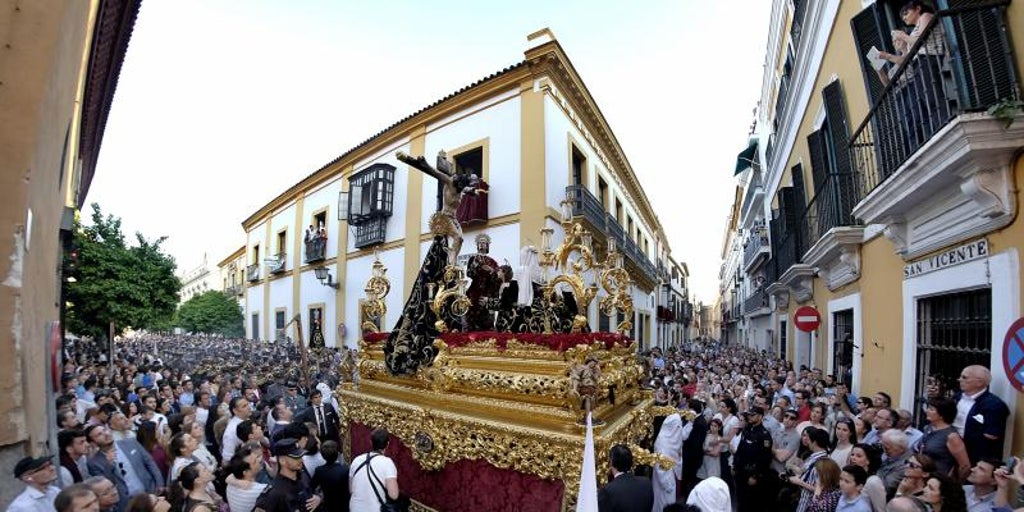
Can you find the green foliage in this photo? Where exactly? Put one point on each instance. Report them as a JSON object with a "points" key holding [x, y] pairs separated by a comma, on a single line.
{"points": [[1006, 111], [212, 312], [131, 285]]}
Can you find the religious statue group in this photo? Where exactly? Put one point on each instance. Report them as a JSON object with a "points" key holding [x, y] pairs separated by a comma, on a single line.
{"points": [[499, 299]]}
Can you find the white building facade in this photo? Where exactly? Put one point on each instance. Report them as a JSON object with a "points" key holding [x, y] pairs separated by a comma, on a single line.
{"points": [[532, 132]]}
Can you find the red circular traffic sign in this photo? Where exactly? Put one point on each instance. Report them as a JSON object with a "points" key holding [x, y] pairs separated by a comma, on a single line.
{"points": [[806, 319]]}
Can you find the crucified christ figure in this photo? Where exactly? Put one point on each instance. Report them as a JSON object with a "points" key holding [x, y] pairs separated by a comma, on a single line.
{"points": [[455, 186]]}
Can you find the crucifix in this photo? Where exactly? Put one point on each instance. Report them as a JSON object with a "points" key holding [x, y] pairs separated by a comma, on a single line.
{"points": [[456, 185]]}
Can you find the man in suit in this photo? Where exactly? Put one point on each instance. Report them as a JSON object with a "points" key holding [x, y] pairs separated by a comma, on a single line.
{"points": [[125, 463], [625, 492], [323, 416], [980, 415], [693, 447]]}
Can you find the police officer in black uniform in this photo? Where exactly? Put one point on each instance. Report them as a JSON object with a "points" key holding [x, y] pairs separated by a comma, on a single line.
{"points": [[287, 492], [752, 464]]}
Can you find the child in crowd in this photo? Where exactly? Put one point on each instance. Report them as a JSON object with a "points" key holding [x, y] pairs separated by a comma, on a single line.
{"points": [[851, 483]]}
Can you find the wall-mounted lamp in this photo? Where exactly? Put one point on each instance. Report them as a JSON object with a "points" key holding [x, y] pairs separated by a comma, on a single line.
{"points": [[324, 274]]}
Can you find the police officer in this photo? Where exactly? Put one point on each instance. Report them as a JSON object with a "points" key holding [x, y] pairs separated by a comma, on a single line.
{"points": [[287, 493], [752, 463]]}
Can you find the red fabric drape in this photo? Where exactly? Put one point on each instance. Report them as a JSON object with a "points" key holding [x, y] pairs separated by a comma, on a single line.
{"points": [[472, 485], [560, 342]]}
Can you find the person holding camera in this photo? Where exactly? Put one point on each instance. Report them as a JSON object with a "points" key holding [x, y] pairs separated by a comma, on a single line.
{"points": [[816, 440], [752, 462]]}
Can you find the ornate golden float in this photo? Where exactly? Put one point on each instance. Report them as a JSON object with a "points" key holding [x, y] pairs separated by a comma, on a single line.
{"points": [[512, 403]]}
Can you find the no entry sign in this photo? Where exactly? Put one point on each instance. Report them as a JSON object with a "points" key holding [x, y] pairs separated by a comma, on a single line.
{"points": [[1013, 354], [806, 319]]}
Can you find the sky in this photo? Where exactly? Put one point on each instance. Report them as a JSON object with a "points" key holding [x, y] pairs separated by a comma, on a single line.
{"points": [[222, 105]]}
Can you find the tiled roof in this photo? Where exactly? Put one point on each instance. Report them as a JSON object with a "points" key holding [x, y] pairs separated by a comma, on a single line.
{"points": [[115, 22]]}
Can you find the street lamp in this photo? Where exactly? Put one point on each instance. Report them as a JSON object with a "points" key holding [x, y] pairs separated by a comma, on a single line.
{"points": [[324, 274]]}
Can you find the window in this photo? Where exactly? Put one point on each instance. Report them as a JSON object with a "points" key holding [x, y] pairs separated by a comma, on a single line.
{"points": [[469, 162], [279, 323], [315, 239], [371, 196], [602, 193], [282, 242], [579, 166], [316, 320], [256, 254], [618, 211], [371, 193], [842, 350], [783, 339], [953, 331], [255, 326]]}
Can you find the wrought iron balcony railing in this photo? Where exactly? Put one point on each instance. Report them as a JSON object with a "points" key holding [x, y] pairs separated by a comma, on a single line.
{"points": [[585, 205], [316, 249], [757, 245], [961, 63], [278, 264], [252, 272], [756, 301]]}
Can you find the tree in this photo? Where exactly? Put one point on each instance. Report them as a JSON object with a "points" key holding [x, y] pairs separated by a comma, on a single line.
{"points": [[130, 285], [212, 312]]}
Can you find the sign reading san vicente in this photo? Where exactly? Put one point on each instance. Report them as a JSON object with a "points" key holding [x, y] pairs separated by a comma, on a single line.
{"points": [[955, 256]]}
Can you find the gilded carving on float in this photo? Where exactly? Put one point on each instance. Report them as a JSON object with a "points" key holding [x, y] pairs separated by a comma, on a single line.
{"points": [[377, 288], [516, 400]]}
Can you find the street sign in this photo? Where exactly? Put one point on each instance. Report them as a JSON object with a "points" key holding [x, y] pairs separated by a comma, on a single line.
{"points": [[1013, 354], [806, 319]]}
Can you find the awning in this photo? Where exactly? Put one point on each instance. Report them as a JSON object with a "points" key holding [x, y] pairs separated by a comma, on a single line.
{"points": [[745, 159]]}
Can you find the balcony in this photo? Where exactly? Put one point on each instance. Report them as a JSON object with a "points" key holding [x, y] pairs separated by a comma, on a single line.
{"points": [[757, 249], [252, 273], [234, 290], [928, 154], [316, 249], [756, 304], [277, 264], [586, 206], [370, 232]]}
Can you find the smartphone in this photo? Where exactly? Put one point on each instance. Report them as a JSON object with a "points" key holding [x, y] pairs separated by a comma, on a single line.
{"points": [[1011, 463]]}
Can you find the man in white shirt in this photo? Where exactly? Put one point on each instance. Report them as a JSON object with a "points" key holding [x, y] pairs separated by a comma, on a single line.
{"points": [[241, 412], [38, 474], [373, 474], [981, 491]]}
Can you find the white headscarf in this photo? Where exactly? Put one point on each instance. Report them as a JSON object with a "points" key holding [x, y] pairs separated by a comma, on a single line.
{"points": [[711, 495], [529, 272], [325, 390]]}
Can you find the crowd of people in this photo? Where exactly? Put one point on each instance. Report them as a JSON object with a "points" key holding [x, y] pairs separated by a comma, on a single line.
{"points": [[752, 434], [196, 424]]}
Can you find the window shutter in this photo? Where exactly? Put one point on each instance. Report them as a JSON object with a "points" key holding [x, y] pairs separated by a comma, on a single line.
{"points": [[843, 180], [343, 206], [819, 166], [867, 32], [988, 76], [355, 203], [799, 206]]}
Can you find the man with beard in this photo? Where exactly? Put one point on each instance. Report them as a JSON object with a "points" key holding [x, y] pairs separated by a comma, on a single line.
{"points": [[483, 270]]}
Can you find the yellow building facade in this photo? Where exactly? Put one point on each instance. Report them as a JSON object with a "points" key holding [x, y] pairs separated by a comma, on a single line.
{"points": [[890, 196]]}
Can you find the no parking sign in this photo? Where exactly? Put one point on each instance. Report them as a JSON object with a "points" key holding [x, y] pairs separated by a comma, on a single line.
{"points": [[1013, 354]]}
